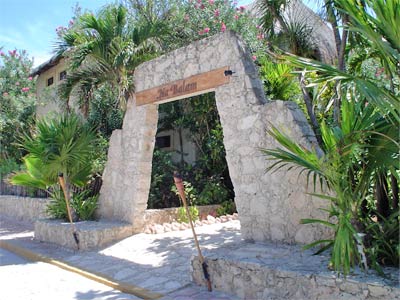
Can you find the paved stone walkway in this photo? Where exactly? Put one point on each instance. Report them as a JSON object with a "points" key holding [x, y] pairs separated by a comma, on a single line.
{"points": [[159, 263]]}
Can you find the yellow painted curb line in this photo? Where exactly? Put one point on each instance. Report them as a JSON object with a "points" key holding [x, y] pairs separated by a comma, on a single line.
{"points": [[121, 286]]}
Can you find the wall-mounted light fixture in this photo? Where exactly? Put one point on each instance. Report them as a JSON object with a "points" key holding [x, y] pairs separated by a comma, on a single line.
{"points": [[228, 72]]}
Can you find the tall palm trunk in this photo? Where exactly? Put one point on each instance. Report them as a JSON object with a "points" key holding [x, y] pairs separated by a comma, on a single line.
{"points": [[382, 195]]}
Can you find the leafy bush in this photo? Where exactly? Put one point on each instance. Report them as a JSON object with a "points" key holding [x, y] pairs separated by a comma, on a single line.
{"points": [[83, 206], [182, 216], [190, 193], [160, 194], [213, 192], [226, 208], [17, 98], [57, 208], [278, 79], [382, 241], [7, 166]]}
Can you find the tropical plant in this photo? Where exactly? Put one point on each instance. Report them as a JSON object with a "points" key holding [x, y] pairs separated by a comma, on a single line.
{"points": [[57, 148], [213, 192], [160, 195], [82, 204], [182, 215], [339, 170], [279, 81], [17, 102], [360, 163], [105, 48], [60, 145], [226, 208]]}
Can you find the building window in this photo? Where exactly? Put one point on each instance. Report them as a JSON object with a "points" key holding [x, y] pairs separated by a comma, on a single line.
{"points": [[63, 75], [163, 142], [50, 81]]}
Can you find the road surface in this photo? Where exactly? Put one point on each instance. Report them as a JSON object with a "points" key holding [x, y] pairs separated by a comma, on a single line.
{"points": [[21, 279]]}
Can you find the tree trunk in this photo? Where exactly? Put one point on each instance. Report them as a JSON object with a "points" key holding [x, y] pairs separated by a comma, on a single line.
{"points": [[332, 19], [182, 163], [310, 112], [395, 192], [381, 193]]}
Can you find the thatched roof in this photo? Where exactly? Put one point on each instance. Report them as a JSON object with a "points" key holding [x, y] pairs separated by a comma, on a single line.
{"points": [[321, 34]]}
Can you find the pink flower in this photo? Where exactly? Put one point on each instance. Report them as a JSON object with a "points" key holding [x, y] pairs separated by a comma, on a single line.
{"points": [[12, 53], [254, 57], [202, 6], [223, 27], [25, 89], [260, 36], [206, 30], [71, 22], [236, 17], [242, 8], [5, 94], [30, 78], [17, 83], [186, 17], [201, 32], [216, 13], [2, 53], [211, 2], [199, 1]]}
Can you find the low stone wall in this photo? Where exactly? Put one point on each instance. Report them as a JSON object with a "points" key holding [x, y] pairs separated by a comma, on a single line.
{"points": [[168, 215], [271, 271], [92, 235], [23, 208]]}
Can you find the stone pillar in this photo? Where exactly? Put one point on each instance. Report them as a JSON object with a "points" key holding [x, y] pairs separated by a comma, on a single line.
{"points": [[126, 179]]}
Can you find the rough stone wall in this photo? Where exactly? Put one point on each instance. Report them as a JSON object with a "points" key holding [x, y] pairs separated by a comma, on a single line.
{"points": [[23, 208], [92, 235], [126, 179], [250, 280], [270, 205], [168, 215]]}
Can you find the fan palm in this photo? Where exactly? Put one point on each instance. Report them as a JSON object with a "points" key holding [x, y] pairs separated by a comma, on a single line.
{"points": [[61, 145], [106, 48]]}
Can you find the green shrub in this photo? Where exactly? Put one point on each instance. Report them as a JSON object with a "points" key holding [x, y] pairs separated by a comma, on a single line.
{"points": [[83, 207], [226, 208], [57, 207], [182, 216], [382, 242], [213, 192], [7, 166]]}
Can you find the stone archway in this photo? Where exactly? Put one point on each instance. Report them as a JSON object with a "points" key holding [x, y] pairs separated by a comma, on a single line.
{"points": [[270, 205]]}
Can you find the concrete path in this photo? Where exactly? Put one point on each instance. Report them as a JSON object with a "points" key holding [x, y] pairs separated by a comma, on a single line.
{"points": [[158, 263], [25, 280]]}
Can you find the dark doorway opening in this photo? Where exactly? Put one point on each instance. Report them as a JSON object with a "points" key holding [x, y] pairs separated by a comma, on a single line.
{"points": [[190, 139]]}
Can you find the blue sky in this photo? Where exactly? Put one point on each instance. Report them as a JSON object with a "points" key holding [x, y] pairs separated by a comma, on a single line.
{"points": [[31, 24]]}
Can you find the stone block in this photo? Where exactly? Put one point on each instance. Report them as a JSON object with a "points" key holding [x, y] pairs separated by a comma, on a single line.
{"points": [[91, 234]]}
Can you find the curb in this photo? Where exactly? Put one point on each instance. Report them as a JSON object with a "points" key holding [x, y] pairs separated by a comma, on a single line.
{"points": [[108, 281]]}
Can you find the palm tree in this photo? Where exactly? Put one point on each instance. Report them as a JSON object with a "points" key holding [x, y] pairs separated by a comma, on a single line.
{"points": [[106, 49], [362, 148], [60, 145]]}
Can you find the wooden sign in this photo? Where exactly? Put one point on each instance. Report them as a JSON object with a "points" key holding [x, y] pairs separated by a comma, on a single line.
{"points": [[190, 86]]}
